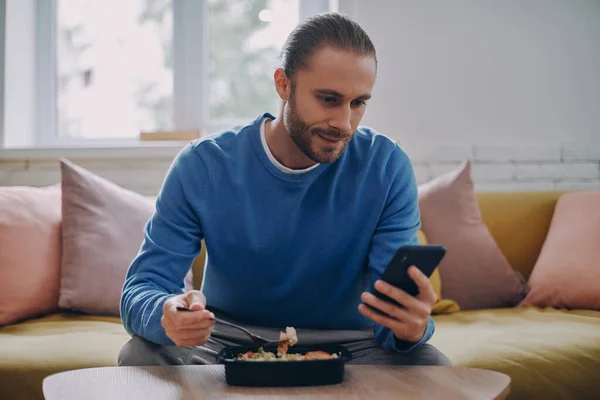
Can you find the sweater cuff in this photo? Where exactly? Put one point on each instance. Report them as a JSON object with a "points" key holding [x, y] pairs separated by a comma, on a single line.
{"points": [[406, 346]]}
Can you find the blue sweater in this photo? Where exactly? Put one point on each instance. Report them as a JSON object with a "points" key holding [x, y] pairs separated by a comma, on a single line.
{"points": [[283, 249]]}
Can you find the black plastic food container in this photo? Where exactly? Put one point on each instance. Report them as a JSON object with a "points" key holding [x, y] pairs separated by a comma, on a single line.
{"points": [[284, 373]]}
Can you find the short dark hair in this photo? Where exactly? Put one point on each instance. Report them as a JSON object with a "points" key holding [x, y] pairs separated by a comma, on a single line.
{"points": [[332, 29]]}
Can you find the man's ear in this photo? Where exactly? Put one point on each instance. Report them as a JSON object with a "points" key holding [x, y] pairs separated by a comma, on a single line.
{"points": [[283, 85]]}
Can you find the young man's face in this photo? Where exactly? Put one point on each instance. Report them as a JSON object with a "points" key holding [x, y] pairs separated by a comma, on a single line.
{"points": [[327, 102]]}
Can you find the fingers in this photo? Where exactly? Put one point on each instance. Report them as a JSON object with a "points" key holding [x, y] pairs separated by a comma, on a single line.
{"points": [[409, 318], [385, 307], [185, 318], [186, 337], [187, 328], [413, 304], [410, 329], [186, 333], [426, 292], [204, 324], [400, 328], [195, 300], [189, 338]]}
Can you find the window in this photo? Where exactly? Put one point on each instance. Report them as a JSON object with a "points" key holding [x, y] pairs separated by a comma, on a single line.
{"points": [[114, 69], [241, 71], [106, 70]]}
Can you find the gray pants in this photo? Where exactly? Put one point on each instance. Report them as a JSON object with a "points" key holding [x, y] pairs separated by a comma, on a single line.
{"points": [[362, 345]]}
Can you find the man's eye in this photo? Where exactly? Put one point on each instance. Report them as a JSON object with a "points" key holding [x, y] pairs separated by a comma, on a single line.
{"points": [[358, 103], [328, 99]]}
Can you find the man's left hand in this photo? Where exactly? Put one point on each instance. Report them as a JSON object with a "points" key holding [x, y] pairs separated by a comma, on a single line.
{"points": [[409, 322]]}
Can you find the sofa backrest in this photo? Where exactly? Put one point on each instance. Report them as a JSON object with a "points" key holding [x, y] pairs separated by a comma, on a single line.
{"points": [[519, 222], [198, 267]]}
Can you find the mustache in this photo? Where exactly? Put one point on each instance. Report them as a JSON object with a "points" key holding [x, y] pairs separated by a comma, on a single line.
{"points": [[332, 133]]}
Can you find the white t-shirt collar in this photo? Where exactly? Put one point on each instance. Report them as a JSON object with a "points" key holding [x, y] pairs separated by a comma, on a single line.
{"points": [[273, 160]]}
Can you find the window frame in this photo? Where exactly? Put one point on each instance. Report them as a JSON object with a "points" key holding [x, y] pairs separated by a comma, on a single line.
{"points": [[190, 72]]}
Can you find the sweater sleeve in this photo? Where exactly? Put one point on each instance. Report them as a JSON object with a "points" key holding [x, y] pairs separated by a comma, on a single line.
{"points": [[397, 226], [172, 239]]}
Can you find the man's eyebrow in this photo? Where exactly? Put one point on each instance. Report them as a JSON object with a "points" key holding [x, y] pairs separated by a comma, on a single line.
{"points": [[330, 92]]}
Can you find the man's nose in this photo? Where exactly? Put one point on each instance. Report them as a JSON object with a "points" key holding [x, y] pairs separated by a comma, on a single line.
{"points": [[340, 120]]}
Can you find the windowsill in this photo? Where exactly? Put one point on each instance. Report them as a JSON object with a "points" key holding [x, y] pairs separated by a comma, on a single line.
{"points": [[158, 149]]}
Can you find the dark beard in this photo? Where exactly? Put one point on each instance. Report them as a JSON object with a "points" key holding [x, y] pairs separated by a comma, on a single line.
{"points": [[302, 135]]}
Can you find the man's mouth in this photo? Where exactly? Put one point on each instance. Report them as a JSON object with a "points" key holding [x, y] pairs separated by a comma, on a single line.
{"points": [[330, 139]]}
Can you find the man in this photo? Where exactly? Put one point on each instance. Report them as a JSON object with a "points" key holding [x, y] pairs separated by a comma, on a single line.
{"points": [[300, 215]]}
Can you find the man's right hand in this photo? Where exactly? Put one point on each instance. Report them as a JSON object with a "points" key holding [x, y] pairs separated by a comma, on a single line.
{"points": [[187, 328]]}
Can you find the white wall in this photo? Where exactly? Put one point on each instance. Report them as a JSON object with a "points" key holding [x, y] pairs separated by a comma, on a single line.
{"points": [[143, 176], [484, 71], [513, 85], [141, 169]]}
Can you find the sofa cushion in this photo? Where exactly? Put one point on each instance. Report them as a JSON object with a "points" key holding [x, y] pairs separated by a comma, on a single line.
{"points": [[548, 353], [29, 252], [519, 223], [102, 231], [567, 272], [474, 271], [40, 347]]}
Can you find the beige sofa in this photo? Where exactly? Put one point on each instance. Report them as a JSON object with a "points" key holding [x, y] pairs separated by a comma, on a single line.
{"points": [[549, 354]]}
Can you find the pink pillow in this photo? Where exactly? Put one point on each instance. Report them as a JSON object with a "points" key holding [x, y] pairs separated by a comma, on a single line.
{"points": [[29, 252], [474, 273], [103, 228], [567, 271]]}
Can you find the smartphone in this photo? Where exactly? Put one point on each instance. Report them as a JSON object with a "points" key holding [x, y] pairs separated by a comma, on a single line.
{"points": [[425, 257]]}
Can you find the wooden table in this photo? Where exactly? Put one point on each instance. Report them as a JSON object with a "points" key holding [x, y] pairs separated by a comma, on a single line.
{"points": [[208, 382]]}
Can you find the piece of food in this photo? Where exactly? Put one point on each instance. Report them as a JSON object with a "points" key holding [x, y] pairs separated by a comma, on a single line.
{"points": [[284, 344], [286, 339], [291, 333], [319, 355]]}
